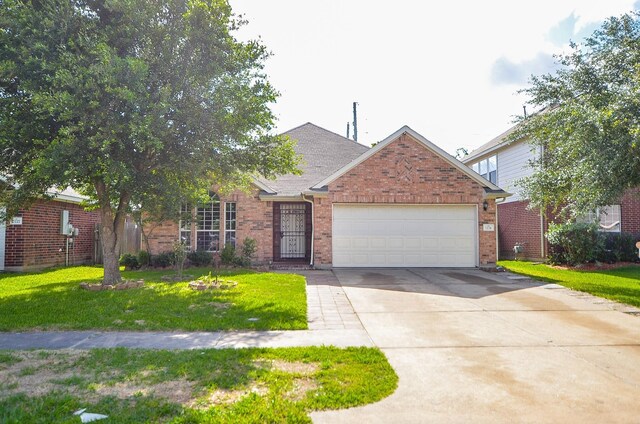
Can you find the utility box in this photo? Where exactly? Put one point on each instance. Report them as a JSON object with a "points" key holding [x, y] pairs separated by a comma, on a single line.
{"points": [[64, 222]]}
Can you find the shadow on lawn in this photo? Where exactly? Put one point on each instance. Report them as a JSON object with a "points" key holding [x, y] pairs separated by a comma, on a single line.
{"points": [[157, 306]]}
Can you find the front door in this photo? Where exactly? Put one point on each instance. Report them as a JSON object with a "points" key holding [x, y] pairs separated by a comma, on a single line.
{"points": [[292, 232]]}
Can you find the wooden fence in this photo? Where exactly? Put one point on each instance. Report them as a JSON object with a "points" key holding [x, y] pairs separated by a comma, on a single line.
{"points": [[130, 240]]}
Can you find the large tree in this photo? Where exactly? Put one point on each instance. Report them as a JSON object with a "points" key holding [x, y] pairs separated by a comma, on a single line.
{"points": [[143, 102], [589, 125]]}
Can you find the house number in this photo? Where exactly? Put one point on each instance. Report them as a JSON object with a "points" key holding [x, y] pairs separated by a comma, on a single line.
{"points": [[487, 227], [16, 220]]}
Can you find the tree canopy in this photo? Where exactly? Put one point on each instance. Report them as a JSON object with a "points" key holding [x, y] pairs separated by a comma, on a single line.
{"points": [[131, 102], [589, 124]]}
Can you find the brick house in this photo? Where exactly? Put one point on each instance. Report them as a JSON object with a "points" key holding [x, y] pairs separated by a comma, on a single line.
{"points": [[503, 162], [404, 202], [40, 236]]}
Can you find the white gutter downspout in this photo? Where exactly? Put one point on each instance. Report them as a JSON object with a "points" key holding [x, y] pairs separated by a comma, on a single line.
{"points": [[313, 226]]}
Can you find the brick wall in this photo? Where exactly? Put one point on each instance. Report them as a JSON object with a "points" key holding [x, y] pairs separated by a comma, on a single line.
{"points": [[517, 224], [630, 212], [405, 172], [37, 243], [254, 218]]}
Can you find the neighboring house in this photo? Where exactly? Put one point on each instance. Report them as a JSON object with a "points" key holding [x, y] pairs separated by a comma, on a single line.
{"points": [[43, 235], [504, 162], [404, 202]]}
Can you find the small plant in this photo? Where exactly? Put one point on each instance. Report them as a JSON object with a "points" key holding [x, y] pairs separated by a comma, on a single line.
{"points": [[129, 261], [179, 255], [249, 248], [199, 258], [228, 255], [163, 260], [144, 258]]}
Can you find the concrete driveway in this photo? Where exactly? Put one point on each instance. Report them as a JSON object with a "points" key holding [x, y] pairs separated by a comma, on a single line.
{"points": [[475, 347]]}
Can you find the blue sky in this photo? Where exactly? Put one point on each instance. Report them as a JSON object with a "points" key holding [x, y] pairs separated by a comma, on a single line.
{"points": [[449, 70]]}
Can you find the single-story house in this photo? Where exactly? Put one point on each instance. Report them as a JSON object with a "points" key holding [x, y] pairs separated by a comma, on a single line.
{"points": [[503, 162], [403, 203], [51, 232]]}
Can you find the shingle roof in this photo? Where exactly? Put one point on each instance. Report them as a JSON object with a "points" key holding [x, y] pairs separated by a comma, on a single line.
{"points": [[323, 152]]}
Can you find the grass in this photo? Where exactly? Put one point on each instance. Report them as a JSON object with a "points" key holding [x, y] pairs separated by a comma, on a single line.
{"points": [[53, 300], [222, 386], [620, 284]]}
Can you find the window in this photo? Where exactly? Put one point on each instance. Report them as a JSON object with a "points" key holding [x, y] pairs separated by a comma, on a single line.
{"points": [[185, 225], [208, 225], [608, 217], [487, 168], [230, 224]]}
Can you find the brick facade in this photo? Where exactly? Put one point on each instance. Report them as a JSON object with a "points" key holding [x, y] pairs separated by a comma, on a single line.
{"points": [[37, 242], [254, 218], [630, 212], [517, 224]]}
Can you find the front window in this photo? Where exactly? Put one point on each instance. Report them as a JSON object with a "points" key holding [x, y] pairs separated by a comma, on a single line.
{"points": [[208, 225], [607, 217], [230, 224], [487, 168]]}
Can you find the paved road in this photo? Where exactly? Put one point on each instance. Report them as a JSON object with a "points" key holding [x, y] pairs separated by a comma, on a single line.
{"points": [[476, 347]]}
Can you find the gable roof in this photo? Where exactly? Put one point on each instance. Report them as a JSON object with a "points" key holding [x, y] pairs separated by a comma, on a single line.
{"points": [[490, 188], [323, 152], [490, 146]]}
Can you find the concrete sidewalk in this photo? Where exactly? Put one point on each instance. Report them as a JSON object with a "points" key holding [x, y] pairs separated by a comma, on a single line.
{"points": [[182, 340], [332, 321]]}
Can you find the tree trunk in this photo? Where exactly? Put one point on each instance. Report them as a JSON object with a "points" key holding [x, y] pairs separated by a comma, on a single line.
{"points": [[112, 226]]}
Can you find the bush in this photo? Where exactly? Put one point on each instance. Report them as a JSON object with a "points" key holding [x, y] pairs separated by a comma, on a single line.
{"points": [[228, 255], [144, 258], [199, 258], [620, 247], [575, 243], [129, 261], [249, 247], [163, 260]]}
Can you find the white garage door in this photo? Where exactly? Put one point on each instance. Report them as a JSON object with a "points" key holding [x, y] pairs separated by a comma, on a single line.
{"points": [[404, 235]]}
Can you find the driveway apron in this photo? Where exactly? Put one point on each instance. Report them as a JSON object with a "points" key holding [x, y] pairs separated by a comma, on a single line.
{"points": [[479, 347]]}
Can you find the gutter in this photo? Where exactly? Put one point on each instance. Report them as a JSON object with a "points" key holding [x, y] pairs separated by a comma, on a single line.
{"points": [[313, 226]]}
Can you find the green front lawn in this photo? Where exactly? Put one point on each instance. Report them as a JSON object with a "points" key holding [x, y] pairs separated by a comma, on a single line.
{"points": [[53, 300], [620, 284], [221, 386]]}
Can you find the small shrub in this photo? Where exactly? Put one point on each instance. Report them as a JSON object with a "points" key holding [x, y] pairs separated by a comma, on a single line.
{"points": [[228, 255], [249, 248], [129, 261], [163, 260], [577, 242], [144, 258], [199, 258]]}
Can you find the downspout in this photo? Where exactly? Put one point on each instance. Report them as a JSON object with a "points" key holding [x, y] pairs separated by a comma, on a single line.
{"points": [[313, 227]]}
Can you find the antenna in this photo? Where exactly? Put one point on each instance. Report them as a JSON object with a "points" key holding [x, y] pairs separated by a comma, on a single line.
{"points": [[355, 121], [348, 130]]}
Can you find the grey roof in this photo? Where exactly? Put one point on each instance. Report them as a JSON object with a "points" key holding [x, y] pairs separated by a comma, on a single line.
{"points": [[323, 152], [490, 146]]}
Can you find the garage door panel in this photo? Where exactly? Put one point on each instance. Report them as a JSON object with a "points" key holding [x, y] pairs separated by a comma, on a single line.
{"points": [[404, 235]]}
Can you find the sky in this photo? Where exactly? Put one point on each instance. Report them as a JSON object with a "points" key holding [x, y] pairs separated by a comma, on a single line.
{"points": [[451, 70]]}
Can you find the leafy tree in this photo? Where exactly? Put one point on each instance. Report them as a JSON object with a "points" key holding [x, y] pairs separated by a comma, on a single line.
{"points": [[131, 102], [589, 125]]}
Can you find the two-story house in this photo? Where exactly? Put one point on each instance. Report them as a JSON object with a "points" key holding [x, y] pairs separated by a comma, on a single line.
{"points": [[503, 162]]}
